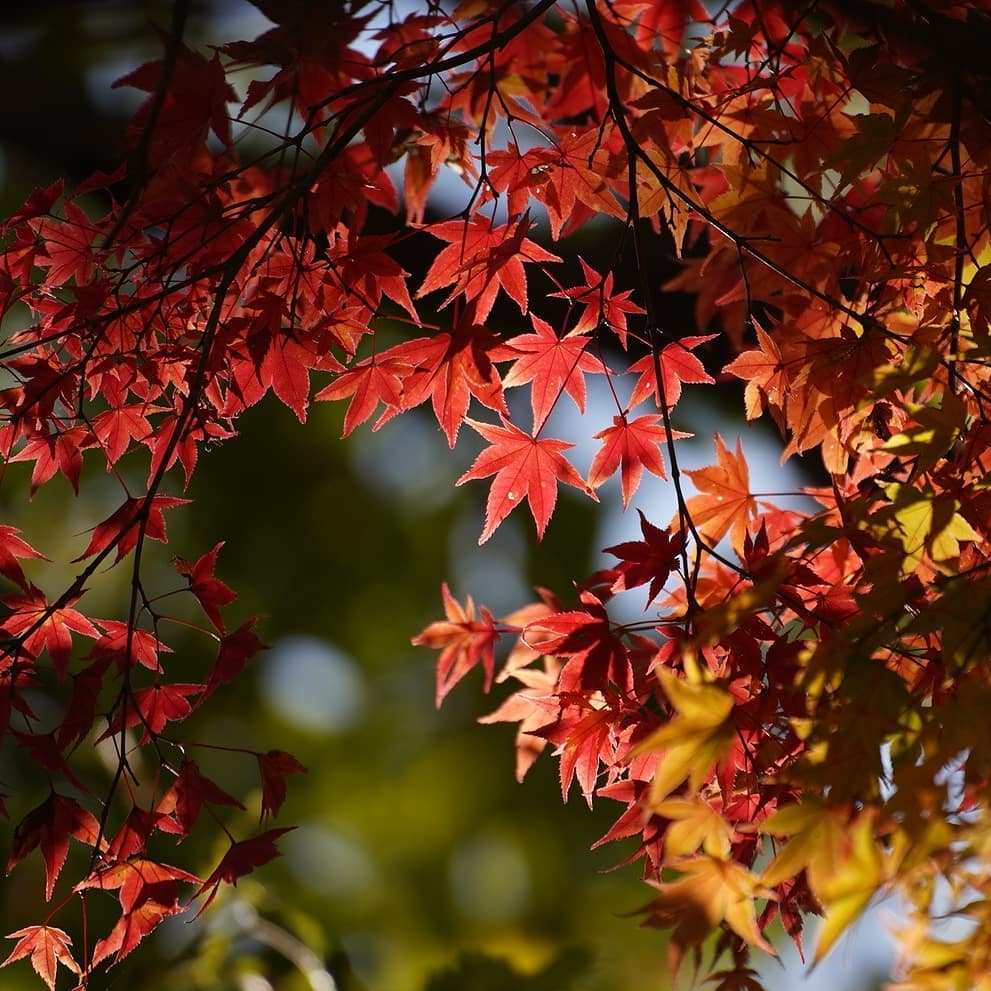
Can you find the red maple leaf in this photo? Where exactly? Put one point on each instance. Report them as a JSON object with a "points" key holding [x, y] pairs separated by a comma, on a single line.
{"points": [[211, 592], [235, 649], [463, 641], [600, 306], [525, 467], [148, 894], [576, 181], [190, 790], [365, 269], [274, 767], [116, 428], [123, 526], [450, 369], [567, 178], [242, 858], [378, 379], [198, 97], [153, 708], [43, 383], [310, 68], [55, 452], [667, 21], [518, 175], [481, 259], [50, 826], [649, 560], [48, 947], [38, 203], [632, 445], [80, 713], [125, 645], [678, 365], [129, 877], [68, 252], [285, 368], [45, 627], [553, 364], [132, 837], [439, 140], [13, 547], [583, 734], [596, 656]]}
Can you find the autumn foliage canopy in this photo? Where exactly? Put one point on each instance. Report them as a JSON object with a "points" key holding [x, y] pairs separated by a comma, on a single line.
{"points": [[798, 724]]}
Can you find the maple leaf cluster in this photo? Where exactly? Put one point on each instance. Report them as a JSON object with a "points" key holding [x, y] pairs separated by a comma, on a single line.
{"points": [[777, 725]]}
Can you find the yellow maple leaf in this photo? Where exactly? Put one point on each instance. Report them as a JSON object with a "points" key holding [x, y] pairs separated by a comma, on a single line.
{"points": [[694, 740], [694, 823], [709, 891], [842, 860], [925, 523]]}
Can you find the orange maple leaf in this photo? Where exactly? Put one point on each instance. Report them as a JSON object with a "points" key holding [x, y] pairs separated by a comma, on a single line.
{"points": [[764, 372], [724, 504], [48, 947], [463, 641]]}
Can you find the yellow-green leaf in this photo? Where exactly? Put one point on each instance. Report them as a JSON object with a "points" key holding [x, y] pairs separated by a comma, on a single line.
{"points": [[694, 823], [710, 891], [694, 740], [846, 890]]}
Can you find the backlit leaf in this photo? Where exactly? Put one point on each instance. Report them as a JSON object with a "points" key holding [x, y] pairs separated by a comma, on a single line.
{"points": [[525, 467]]}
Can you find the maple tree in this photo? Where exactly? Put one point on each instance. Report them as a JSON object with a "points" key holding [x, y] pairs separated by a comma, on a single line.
{"points": [[797, 724]]}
